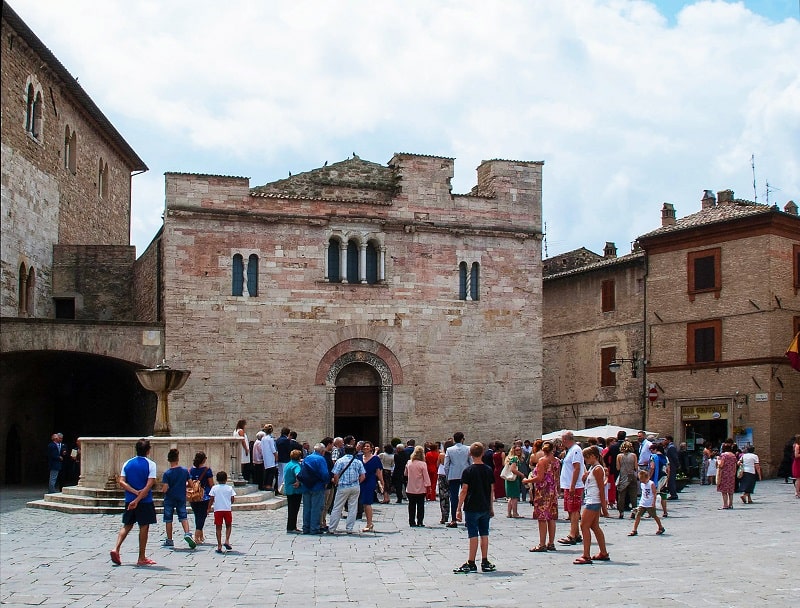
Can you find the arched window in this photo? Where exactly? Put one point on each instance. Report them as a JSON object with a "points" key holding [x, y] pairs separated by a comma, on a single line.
{"points": [[102, 179], [462, 281], [252, 275], [474, 276], [238, 275], [30, 292], [372, 263], [334, 272], [352, 262], [70, 151], [22, 289], [33, 113]]}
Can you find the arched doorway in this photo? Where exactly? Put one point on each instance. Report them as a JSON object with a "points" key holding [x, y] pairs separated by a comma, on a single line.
{"points": [[357, 402], [359, 389]]}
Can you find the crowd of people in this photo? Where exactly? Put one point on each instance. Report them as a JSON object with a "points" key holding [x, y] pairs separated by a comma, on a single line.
{"points": [[340, 479]]}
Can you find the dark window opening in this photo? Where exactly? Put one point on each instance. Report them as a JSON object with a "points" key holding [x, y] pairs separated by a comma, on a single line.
{"points": [[334, 273], [607, 355], [65, 308], [238, 275], [462, 281], [704, 275], [252, 275], [474, 291], [352, 262], [372, 264]]}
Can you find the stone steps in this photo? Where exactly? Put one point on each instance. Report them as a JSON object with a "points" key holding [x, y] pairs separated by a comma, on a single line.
{"points": [[79, 500]]}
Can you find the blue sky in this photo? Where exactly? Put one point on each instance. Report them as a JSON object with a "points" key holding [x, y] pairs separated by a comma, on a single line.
{"points": [[630, 103]]}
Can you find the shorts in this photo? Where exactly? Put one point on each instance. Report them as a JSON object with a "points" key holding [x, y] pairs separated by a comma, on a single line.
{"points": [[477, 523], [171, 505], [651, 511], [144, 514], [220, 516], [573, 499], [594, 507]]}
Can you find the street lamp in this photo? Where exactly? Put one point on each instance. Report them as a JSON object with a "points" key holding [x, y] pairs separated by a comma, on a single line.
{"points": [[616, 364]]}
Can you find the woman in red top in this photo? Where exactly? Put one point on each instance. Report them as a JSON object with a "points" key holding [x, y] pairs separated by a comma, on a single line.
{"points": [[432, 462]]}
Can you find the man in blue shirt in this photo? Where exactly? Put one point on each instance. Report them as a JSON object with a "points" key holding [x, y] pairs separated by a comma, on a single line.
{"points": [[313, 477], [348, 473], [54, 462], [137, 478]]}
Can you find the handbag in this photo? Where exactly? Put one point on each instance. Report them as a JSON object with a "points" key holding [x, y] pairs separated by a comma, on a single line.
{"points": [[740, 470], [507, 473]]}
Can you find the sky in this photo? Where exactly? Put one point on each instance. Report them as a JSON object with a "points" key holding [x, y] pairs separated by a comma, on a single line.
{"points": [[630, 103]]}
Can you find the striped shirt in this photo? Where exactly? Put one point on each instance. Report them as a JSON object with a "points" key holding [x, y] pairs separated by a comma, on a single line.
{"points": [[350, 477]]}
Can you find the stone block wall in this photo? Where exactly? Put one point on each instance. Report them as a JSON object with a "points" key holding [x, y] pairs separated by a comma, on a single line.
{"points": [[474, 366], [148, 303], [98, 277]]}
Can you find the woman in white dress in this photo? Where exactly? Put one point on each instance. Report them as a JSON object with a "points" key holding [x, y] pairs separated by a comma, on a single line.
{"points": [[711, 472]]}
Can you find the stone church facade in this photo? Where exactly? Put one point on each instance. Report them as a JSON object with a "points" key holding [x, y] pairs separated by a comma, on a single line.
{"points": [[357, 298]]}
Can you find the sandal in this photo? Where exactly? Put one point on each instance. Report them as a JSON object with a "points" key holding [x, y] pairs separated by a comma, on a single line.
{"points": [[602, 557], [661, 531], [539, 549], [551, 547], [582, 560], [145, 562], [634, 533], [568, 540]]}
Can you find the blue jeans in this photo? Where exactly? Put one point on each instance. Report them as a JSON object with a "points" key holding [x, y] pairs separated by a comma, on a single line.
{"points": [[455, 488], [312, 511], [51, 485]]}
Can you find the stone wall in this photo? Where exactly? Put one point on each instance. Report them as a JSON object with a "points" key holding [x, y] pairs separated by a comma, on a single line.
{"points": [[470, 365], [148, 296], [98, 277], [575, 330]]}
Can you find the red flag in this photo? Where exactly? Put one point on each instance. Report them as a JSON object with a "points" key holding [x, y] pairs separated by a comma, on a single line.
{"points": [[794, 353]]}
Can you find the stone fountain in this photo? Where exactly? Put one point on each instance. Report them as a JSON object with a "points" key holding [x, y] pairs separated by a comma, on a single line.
{"points": [[162, 380]]}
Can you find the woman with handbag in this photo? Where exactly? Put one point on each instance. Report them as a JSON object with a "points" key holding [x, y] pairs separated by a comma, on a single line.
{"points": [[373, 476], [751, 470], [512, 477]]}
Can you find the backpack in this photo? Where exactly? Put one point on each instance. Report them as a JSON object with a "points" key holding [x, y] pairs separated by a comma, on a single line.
{"points": [[306, 475], [194, 488]]}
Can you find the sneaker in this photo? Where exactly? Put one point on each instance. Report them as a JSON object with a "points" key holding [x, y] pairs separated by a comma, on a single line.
{"points": [[466, 568], [189, 540], [169, 543], [487, 566]]}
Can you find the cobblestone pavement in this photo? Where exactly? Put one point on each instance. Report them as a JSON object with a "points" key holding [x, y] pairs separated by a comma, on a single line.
{"points": [[707, 557]]}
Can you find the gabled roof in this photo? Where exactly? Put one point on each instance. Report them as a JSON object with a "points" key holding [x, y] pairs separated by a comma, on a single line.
{"points": [[577, 258], [734, 210], [73, 88], [601, 263], [349, 175]]}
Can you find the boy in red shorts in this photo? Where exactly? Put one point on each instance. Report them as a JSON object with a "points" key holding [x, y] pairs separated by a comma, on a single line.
{"points": [[221, 499]]}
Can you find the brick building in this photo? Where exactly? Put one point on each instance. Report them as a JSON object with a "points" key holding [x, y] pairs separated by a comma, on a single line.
{"points": [[357, 298], [722, 306], [593, 314], [72, 331]]}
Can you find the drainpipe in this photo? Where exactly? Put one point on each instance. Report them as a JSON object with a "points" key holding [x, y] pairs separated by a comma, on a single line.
{"points": [[643, 393]]}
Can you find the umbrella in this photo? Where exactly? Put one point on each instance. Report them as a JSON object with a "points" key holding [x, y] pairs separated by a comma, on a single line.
{"points": [[557, 434], [609, 430]]}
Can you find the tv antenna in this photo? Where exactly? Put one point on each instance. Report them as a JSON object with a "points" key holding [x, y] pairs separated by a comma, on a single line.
{"points": [[545, 240], [753, 165], [769, 189]]}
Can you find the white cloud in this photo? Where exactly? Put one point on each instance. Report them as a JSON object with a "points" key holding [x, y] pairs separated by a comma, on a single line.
{"points": [[626, 109]]}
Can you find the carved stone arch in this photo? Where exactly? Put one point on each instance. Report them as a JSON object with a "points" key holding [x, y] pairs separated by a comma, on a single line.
{"points": [[370, 359]]}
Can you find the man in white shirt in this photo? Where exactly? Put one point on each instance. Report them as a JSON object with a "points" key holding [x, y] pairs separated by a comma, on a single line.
{"points": [[644, 451], [572, 483], [456, 459], [270, 455]]}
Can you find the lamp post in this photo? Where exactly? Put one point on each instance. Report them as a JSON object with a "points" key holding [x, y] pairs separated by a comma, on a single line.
{"points": [[636, 362]]}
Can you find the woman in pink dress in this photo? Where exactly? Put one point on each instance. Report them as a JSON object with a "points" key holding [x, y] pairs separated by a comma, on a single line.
{"points": [[498, 459], [545, 501], [726, 475]]}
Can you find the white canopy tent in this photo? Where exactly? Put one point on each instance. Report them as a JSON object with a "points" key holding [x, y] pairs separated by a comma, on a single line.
{"points": [[608, 430]]}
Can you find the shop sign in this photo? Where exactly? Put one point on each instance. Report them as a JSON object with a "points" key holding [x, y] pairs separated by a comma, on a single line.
{"points": [[762, 396], [704, 412]]}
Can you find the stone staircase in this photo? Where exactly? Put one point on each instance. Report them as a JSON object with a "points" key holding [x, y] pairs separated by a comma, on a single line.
{"points": [[75, 499]]}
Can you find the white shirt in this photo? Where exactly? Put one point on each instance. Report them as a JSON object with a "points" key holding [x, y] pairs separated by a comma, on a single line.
{"points": [[592, 492], [648, 497], [644, 454], [574, 454], [749, 462], [268, 451], [222, 494], [244, 455]]}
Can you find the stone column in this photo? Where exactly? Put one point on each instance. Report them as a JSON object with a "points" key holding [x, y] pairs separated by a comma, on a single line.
{"points": [[384, 407], [325, 260], [469, 285], [362, 263], [330, 409], [343, 262], [381, 265]]}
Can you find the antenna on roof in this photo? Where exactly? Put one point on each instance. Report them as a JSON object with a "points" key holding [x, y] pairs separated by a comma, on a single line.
{"points": [[769, 189], [753, 165]]}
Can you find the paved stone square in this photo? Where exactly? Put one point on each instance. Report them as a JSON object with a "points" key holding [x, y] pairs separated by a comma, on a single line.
{"points": [[744, 557]]}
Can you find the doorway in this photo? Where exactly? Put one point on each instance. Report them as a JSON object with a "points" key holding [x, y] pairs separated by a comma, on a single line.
{"points": [[357, 403]]}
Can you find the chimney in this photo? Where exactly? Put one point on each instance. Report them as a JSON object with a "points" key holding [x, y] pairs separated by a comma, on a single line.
{"points": [[725, 197], [610, 250], [668, 215], [708, 202], [790, 208]]}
